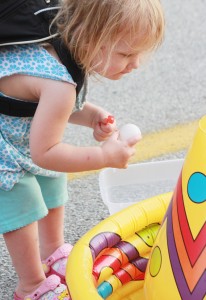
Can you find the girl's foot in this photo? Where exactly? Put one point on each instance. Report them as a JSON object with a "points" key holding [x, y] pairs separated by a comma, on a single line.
{"points": [[51, 288], [56, 263]]}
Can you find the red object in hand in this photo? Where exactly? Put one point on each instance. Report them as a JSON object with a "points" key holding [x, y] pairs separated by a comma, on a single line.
{"points": [[109, 119]]}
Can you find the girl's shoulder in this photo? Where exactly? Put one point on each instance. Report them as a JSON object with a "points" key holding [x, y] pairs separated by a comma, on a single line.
{"points": [[34, 60]]}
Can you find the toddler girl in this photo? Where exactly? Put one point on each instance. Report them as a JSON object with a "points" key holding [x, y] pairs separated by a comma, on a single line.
{"points": [[105, 37]]}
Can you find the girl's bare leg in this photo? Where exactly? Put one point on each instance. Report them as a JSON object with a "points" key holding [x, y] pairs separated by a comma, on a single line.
{"points": [[51, 231], [23, 246]]}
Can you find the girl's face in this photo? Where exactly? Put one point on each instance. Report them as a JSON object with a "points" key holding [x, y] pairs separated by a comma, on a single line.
{"points": [[122, 61]]}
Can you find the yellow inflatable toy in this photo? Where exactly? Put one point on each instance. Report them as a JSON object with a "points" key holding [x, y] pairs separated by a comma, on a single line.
{"points": [[129, 256]]}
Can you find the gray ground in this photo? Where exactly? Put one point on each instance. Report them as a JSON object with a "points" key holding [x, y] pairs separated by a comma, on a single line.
{"points": [[168, 90]]}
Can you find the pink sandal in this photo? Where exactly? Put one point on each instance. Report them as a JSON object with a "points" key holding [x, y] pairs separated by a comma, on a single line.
{"points": [[56, 263], [51, 289]]}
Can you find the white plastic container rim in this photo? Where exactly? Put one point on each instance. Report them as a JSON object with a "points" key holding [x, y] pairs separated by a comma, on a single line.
{"points": [[140, 173]]}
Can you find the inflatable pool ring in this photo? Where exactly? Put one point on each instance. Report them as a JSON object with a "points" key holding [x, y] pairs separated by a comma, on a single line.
{"points": [[110, 260]]}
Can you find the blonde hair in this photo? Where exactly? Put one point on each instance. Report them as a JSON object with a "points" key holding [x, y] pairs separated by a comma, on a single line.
{"points": [[87, 25]]}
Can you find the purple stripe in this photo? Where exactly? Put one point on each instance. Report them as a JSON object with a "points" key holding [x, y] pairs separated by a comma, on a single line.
{"points": [[140, 264], [102, 241], [128, 249]]}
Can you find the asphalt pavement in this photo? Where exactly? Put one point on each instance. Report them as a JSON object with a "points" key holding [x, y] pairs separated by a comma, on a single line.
{"points": [[167, 90]]}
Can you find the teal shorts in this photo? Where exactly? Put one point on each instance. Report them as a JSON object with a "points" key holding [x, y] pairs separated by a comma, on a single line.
{"points": [[30, 199]]}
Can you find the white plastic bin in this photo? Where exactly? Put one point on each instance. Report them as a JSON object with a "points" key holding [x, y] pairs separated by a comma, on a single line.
{"points": [[122, 187]]}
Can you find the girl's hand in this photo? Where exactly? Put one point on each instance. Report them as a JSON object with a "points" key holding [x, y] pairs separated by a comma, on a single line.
{"points": [[104, 126], [117, 152]]}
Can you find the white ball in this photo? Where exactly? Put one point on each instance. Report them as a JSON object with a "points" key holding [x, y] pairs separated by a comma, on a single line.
{"points": [[129, 131]]}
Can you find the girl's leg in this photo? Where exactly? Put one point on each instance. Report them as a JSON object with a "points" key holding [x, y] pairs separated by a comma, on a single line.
{"points": [[51, 228], [54, 251], [51, 231], [23, 246]]}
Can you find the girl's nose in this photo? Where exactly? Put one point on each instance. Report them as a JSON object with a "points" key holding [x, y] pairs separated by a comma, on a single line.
{"points": [[134, 63]]}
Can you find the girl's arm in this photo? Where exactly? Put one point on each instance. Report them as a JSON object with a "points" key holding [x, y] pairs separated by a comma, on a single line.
{"points": [[56, 103]]}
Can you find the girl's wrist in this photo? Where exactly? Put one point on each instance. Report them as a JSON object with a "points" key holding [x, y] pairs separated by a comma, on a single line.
{"points": [[105, 156], [102, 158]]}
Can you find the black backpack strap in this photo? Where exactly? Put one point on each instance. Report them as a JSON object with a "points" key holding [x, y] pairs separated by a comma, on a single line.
{"points": [[66, 58], [16, 108]]}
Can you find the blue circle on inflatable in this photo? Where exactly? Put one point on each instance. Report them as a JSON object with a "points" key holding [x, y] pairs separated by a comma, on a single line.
{"points": [[197, 187]]}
